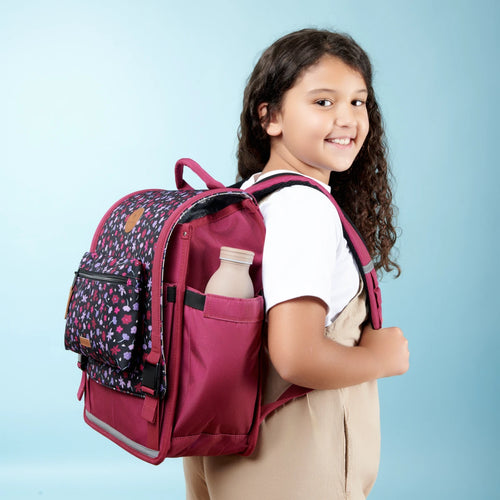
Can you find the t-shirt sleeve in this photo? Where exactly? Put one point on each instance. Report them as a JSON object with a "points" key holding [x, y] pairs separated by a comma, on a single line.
{"points": [[303, 231]]}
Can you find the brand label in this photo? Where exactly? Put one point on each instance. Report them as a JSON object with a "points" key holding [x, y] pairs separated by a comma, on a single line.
{"points": [[133, 219], [84, 341]]}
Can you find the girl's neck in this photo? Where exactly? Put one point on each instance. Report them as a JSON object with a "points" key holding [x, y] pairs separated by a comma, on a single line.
{"points": [[280, 162]]}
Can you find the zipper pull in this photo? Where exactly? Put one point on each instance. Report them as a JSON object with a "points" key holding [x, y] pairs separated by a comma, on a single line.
{"points": [[70, 294]]}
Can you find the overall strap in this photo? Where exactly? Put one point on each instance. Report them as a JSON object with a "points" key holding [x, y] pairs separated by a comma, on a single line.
{"points": [[269, 185]]}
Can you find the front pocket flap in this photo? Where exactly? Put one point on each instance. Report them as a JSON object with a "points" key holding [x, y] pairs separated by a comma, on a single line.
{"points": [[104, 310]]}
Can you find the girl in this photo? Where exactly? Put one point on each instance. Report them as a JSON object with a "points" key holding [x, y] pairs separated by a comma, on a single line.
{"points": [[309, 107]]}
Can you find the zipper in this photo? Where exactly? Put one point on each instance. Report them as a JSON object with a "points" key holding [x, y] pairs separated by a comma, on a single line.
{"points": [[108, 277], [70, 294], [92, 275]]}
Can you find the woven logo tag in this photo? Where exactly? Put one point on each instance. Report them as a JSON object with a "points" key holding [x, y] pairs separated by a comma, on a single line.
{"points": [[84, 341], [133, 219]]}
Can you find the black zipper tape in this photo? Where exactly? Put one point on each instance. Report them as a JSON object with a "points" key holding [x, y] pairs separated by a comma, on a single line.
{"points": [[108, 277]]}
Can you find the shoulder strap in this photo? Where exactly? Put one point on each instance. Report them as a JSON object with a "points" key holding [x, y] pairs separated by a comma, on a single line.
{"points": [[358, 248], [269, 185]]}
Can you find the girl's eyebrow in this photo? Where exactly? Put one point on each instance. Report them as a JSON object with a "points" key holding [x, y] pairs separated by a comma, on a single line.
{"points": [[333, 91]]}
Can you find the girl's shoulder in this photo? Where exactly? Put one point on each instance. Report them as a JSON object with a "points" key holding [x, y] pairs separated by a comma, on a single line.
{"points": [[304, 212], [303, 208], [302, 199], [297, 198]]}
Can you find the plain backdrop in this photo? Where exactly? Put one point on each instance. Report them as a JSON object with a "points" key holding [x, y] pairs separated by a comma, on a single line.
{"points": [[99, 98]]}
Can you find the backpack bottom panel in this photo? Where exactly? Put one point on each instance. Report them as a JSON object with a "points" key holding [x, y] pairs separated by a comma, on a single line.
{"points": [[118, 436], [118, 417]]}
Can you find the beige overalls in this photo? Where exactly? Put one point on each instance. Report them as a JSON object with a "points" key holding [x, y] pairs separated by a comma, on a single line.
{"points": [[324, 445]]}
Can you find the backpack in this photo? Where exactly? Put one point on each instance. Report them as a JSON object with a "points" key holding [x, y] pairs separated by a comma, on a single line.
{"points": [[168, 371]]}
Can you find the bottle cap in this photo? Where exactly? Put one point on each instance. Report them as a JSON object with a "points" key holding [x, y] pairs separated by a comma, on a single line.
{"points": [[236, 255]]}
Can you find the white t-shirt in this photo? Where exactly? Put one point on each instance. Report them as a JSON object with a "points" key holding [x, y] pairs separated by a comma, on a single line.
{"points": [[305, 252]]}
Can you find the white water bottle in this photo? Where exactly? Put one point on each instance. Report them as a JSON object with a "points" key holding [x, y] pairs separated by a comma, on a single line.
{"points": [[232, 278]]}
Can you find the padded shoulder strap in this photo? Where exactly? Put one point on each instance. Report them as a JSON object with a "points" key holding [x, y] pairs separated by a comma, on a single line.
{"points": [[358, 248]]}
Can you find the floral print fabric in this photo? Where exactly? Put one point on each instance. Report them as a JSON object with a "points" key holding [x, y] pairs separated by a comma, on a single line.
{"points": [[119, 362], [103, 316]]}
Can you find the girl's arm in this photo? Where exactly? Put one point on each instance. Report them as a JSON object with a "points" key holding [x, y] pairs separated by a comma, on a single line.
{"points": [[303, 355]]}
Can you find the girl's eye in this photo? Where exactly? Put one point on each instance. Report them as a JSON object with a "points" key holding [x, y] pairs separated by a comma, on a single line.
{"points": [[358, 102], [325, 103]]}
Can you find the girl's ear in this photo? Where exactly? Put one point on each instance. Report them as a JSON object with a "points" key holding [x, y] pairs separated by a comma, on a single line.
{"points": [[270, 121]]}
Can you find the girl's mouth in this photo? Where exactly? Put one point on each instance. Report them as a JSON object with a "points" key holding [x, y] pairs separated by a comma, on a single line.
{"points": [[340, 141]]}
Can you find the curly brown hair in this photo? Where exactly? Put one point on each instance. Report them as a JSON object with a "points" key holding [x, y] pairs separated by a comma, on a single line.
{"points": [[364, 190]]}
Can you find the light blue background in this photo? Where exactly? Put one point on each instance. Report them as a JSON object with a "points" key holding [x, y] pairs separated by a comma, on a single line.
{"points": [[99, 98]]}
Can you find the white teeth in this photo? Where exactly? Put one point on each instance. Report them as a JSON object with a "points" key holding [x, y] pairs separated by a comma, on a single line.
{"points": [[344, 141]]}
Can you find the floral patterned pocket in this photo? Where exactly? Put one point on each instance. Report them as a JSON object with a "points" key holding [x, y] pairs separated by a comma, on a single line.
{"points": [[103, 314]]}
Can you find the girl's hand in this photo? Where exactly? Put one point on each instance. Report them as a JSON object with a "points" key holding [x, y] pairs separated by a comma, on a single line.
{"points": [[389, 350]]}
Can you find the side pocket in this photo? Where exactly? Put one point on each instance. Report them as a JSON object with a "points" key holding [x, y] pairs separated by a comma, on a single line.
{"points": [[220, 377], [103, 317]]}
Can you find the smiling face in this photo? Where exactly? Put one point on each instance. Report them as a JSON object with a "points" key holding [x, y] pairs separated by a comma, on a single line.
{"points": [[322, 122]]}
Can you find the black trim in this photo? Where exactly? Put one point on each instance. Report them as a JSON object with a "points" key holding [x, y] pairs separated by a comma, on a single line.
{"points": [[236, 185], [82, 362], [151, 377], [191, 299], [262, 193], [194, 300], [211, 205], [171, 294], [108, 277]]}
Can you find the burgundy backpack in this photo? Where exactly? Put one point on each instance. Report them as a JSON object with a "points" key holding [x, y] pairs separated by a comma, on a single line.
{"points": [[168, 371]]}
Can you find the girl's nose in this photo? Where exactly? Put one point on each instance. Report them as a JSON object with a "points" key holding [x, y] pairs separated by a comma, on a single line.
{"points": [[344, 116]]}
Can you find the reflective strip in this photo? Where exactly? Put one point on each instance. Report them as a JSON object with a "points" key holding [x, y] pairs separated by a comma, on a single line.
{"points": [[124, 439], [369, 267]]}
